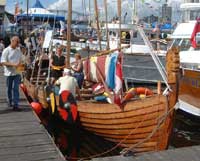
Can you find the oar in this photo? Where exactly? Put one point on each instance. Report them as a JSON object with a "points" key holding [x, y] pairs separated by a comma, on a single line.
{"points": [[52, 99]]}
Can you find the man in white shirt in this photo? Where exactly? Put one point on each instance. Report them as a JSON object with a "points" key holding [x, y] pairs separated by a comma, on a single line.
{"points": [[11, 59], [68, 82]]}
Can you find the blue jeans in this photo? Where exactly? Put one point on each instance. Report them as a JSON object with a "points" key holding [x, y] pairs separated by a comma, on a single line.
{"points": [[79, 77], [13, 83]]}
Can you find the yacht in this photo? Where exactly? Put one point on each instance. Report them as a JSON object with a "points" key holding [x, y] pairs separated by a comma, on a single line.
{"points": [[187, 37]]}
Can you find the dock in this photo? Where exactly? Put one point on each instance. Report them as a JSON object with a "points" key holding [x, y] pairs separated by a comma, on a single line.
{"points": [[22, 137], [180, 154]]}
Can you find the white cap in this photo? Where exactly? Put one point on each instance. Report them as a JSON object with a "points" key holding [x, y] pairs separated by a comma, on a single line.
{"points": [[67, 71]]}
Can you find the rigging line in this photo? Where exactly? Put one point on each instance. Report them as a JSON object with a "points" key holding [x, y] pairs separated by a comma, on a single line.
{"points": [[50, 50], [35, 57], [157, 62], [116, 146], [164, 116], [160, 119]]}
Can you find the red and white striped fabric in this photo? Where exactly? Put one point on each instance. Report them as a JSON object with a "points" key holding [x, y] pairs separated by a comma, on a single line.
{"points": [[102, 63]]}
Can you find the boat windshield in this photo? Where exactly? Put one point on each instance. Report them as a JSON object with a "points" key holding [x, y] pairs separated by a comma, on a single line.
{"points": [[184, 44]]}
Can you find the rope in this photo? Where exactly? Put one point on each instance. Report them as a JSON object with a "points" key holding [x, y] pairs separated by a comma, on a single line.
{"points": [[160, 118], [114, 147], [155, 58], [50, 50]]}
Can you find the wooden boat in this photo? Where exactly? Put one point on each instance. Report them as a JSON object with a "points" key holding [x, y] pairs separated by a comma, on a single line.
{"points": [[141, 125]]}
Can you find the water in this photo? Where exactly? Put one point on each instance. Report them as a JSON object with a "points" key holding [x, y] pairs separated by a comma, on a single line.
{"points": [[186, 131]]}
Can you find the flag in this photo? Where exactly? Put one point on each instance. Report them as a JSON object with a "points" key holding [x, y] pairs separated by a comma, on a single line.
{"points": [[195, 31]]}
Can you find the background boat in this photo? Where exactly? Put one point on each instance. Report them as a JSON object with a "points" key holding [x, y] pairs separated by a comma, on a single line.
{"points": [[186, 36]]}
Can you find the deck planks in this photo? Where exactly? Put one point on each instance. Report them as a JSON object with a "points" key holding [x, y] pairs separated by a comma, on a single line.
{"points": [[22, 137]]}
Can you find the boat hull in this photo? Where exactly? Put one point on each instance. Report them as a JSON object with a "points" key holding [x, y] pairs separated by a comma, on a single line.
{"points": [[133, 124], [189, 91]]}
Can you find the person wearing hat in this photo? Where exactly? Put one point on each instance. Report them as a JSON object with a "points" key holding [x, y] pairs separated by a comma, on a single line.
{"points": [[68, 82], [57, 63]]}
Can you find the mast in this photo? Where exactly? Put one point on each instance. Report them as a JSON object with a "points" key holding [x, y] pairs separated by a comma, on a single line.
{"points": [[97, 22], [27, 7], [106, 15], [69, 19], [119, 16], [89, 13]]}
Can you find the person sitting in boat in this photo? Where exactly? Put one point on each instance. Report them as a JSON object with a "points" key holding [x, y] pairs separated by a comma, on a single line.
{"points": [[57, 63], [68, 82], [77, 67]]}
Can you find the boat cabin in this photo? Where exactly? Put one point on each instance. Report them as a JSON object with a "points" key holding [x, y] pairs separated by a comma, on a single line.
{"points": [[189, 56]]}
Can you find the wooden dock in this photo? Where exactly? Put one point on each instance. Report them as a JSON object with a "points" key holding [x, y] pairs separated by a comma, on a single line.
{"points": [[22, 137], [180, 154]]}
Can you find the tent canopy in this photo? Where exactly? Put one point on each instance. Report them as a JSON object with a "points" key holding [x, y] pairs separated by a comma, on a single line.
{"points": [[37, 4], [38, 11]]}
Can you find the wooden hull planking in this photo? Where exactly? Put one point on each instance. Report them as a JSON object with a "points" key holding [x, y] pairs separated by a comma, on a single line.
{"points": [[190, 87], [134, 123]]}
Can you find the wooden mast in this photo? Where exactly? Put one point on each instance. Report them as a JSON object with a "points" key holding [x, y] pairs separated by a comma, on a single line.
{"points": [[27, 25], [97, 22], [106, 16], [69, 19], [119, 16]]}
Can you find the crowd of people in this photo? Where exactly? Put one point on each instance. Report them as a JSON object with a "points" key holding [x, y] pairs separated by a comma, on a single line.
{"points": [[12, 58]]}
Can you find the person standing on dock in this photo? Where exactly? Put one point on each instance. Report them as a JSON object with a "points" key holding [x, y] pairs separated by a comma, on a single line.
{"points": [[11, 60]]}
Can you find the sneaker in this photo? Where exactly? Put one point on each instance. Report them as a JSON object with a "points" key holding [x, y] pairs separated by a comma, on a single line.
{"points": [[10, 104], [16, 109]]}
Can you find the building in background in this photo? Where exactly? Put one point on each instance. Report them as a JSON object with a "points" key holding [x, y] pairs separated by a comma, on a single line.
{"points": [[150, 19], [190, 10], [166, 13], [2, 10]]}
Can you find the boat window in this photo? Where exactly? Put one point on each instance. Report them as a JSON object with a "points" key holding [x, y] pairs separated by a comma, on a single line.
{"points": [[185, 45], [194, 14], [193, 66], [177, 42]]}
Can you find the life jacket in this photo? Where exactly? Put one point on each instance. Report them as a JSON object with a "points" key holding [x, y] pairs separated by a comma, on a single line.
{"points": [[67, 107]]}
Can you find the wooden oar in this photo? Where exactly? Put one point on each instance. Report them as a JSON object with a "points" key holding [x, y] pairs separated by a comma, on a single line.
{"points": [[52, 99]]}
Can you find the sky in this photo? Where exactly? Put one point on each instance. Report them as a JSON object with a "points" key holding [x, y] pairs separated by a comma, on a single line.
{"points": [[148, 7]]}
